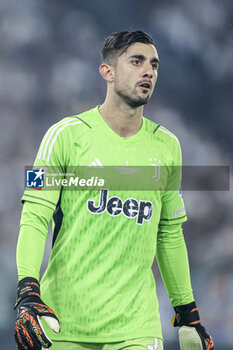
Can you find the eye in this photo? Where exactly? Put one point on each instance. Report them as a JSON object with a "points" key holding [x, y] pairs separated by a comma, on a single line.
{"points": [[155, 66], [136, 62]]}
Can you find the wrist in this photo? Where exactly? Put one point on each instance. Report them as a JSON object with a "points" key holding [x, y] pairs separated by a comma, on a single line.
{"points": [[186, 315], [186, 307], [28, 287]]}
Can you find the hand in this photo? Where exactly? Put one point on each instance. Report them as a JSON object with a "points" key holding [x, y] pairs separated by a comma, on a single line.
{"points": [[29, 333], [192, 335]]}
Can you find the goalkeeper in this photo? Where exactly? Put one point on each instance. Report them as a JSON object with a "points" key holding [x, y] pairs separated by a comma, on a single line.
{"points": [[98, 291]]}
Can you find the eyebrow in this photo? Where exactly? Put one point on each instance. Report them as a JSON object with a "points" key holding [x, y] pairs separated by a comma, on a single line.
{"points": [[143, 58]]}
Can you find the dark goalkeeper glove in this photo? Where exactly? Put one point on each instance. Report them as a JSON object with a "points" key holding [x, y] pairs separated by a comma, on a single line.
{"points": [[192, 335], [29, 333]]}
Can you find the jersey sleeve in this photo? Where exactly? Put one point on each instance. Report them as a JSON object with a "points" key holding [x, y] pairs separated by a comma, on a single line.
{"points": [[173, 209], [34, 224], [172, 258], [52, 157]]}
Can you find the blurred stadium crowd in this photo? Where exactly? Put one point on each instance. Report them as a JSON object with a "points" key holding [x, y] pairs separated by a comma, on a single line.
{"points": [[49, 57]]}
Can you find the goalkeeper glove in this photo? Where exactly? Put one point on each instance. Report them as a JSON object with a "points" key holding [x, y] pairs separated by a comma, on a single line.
{"points": [[192, 335], [29, 333]]}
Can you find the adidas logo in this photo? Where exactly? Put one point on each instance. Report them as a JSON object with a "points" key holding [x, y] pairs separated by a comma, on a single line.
{"points": [[96, 164]]}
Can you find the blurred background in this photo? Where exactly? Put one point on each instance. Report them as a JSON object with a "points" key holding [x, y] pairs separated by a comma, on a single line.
{"points": [[49, 58]]}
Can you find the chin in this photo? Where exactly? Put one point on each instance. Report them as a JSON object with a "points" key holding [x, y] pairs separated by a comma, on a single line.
{"points": [[134, 102], [138, 102]]}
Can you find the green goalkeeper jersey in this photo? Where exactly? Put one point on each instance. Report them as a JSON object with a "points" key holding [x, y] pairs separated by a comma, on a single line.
{"points": [[99, 279]]}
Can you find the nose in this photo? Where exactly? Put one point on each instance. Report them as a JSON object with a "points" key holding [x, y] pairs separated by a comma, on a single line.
{"points": [[148, 73]]}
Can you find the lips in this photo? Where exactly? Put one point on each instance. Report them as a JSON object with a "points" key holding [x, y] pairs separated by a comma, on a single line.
{"points": [[145, 85]]}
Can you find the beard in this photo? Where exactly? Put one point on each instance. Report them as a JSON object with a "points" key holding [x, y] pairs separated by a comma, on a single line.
{"points": [[132, 99]]}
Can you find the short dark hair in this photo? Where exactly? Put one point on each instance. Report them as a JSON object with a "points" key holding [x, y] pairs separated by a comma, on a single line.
{"points": [[117, 43]]}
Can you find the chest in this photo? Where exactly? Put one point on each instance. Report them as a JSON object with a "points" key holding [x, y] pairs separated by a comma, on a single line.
{"points": [[98, 150]]}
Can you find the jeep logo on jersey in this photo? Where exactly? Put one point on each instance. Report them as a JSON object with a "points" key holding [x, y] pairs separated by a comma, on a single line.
{"points": [[114, 206]]}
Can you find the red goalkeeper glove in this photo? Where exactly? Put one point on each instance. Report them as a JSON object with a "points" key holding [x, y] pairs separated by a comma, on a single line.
{"points": [[192, 335], [29, 333]]}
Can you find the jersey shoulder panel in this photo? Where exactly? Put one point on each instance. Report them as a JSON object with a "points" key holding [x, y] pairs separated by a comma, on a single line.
{"points": [[171, 142], [165, 138], [151, 127], [85, 122], [167, 135], [159, 130], [81, 123], [88, 117], [61, 135]]}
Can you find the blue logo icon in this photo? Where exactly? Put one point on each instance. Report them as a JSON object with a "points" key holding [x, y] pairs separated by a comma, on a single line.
{"points": [[35, 178], [180, 192]]}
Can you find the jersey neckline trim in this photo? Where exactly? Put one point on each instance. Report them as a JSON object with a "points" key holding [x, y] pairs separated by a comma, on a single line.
{"points": [[112, 133]]}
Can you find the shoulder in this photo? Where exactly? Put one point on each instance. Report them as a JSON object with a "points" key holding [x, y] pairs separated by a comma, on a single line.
{"points": [[70, 126], [61, 135], [164, 141], [76, 124], [161, 133], [167, 135]]}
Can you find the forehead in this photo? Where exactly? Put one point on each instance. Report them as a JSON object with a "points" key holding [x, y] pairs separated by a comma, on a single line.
{"points": [[148, 50]]}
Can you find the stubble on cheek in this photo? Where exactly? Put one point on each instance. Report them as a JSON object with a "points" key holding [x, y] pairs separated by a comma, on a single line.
{"points": [[124, 85], [129, 93]]}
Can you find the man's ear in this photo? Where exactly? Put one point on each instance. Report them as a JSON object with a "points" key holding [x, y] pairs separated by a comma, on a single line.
{"points": [[107, 72]]}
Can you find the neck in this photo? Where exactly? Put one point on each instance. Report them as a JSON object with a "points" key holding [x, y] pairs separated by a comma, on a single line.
{"points": [[121, 118]]}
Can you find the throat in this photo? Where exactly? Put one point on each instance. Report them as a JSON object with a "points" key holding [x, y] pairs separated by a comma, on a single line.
{"points": [[126, 132], [122, 123], [124, 128]]}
